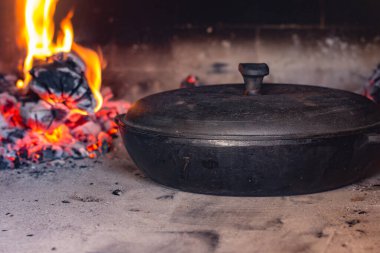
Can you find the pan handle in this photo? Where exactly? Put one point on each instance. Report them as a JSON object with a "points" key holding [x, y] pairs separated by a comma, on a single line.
{"points": [[253, 75]]}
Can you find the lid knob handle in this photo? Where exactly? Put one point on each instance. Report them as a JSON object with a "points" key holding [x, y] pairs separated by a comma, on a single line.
{"points": [[253, 74]]}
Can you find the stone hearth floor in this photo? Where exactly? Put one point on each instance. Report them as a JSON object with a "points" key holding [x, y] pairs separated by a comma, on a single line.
{"points": [[60, 207]]}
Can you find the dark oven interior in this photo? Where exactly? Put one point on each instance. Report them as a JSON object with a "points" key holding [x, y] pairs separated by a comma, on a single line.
{"points": [[153, 45]]}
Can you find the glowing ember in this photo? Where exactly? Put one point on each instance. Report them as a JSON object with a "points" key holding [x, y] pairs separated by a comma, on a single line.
{"points": [[60, 134], [372, 87], [58, 110], [75, 136]]}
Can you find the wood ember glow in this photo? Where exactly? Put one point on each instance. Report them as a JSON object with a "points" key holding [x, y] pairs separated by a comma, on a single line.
{"points": [[38, 131], [58, 109]]}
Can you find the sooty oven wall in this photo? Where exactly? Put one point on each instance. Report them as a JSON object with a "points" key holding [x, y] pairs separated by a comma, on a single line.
{"points": [[151, 45]]}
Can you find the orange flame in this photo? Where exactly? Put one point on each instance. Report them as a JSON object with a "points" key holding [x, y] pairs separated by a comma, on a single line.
{"points": [[38, 33], [93, 72]]}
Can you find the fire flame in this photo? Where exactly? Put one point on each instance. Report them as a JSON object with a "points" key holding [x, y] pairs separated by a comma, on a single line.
{"points": [[93, 74], [57, 135], [38, 33]]}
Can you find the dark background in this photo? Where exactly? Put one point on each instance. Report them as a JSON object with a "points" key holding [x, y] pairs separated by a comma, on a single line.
{"points": [[120, 20], [134, 20]]}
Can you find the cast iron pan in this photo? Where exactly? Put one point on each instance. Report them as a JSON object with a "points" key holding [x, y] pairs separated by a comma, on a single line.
{"points": [[253, 139]]}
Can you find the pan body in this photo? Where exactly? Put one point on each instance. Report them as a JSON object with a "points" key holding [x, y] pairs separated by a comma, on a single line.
{"points": [[244, 167]]}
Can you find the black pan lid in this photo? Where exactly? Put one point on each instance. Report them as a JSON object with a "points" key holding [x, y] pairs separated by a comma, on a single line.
{"points": [[277, 110]]}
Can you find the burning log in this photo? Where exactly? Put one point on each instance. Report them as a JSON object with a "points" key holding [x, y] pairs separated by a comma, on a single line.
{"points": [[9, 109], [42, 115], [63, 81]]}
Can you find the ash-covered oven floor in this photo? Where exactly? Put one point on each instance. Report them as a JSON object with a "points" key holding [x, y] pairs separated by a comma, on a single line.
{"points": [[72, 206]]}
